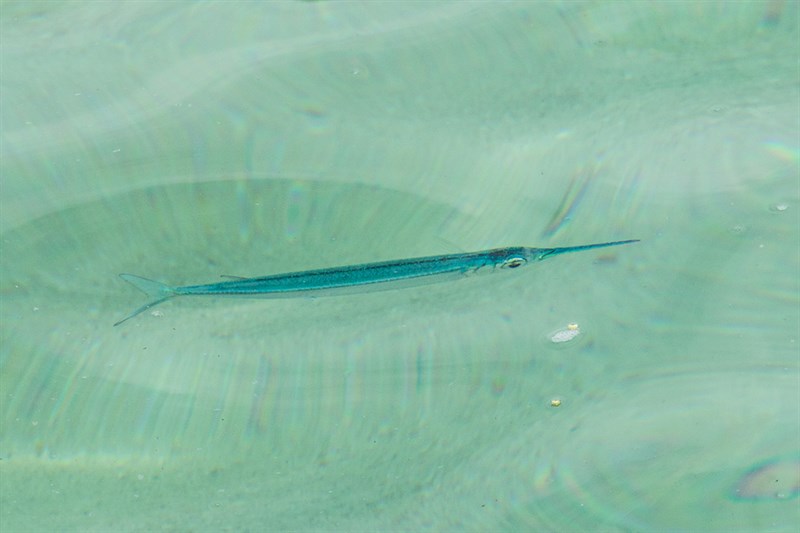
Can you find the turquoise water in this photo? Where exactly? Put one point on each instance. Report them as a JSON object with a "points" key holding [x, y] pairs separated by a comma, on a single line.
{"points": [[184, 141]]}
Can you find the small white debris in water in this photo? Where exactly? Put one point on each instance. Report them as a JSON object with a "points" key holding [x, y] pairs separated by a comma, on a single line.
{"points": [[156, 312], [555, 402], [566, 334], [780, 207]]}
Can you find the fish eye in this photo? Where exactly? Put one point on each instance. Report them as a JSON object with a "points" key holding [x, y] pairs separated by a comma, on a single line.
{"points": [[514, 262]]}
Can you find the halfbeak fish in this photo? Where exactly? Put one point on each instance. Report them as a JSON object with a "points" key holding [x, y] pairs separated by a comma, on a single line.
{"points": [[368, 277]]}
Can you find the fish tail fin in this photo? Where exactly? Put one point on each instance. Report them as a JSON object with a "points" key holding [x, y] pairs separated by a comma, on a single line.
{"points": [[160, 292]]}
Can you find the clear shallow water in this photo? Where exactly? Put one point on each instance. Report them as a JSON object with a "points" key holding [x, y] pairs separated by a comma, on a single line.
{"points": [[365, 135]]}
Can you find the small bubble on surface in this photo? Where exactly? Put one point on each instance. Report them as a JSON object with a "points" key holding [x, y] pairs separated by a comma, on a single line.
{"points": [[565, 334]]}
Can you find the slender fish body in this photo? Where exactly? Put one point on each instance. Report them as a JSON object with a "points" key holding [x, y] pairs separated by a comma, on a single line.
{"points": [[366, 277]]}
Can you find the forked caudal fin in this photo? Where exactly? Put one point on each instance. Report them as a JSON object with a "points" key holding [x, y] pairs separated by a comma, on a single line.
{"points": [[155, 289]]}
